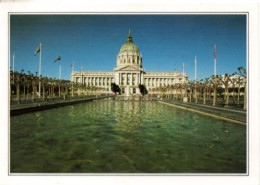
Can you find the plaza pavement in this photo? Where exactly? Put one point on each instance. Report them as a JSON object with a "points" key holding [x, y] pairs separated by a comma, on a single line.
{"points": [[232, 113]]}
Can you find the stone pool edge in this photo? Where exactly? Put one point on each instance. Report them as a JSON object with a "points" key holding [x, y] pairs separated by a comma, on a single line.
{"points": [[205, 113], [25, 110]]}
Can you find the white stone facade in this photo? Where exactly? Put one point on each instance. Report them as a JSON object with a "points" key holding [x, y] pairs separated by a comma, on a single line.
{"points": [[128, 74]]}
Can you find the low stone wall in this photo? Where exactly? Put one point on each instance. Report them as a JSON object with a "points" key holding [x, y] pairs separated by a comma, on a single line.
{"points": [[40, 107], [207, 113]]}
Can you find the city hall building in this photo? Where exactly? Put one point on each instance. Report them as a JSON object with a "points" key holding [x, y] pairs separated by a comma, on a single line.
{"points": [[128, 73]]}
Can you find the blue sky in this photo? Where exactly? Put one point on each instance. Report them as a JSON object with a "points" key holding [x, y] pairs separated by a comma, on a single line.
{"points": [[93, 42]]}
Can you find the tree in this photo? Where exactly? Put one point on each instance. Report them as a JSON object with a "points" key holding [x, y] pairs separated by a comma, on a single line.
{"points": [[184, 87], [72, 89], [17, 81], [143, 89], [172, 91], [225, 80], [44, 85], [24, 83], [115, 88], [234, 82], [243, 73], [191, 88], [178, 86], [204, 84], [215, 83], [238, 83], [59, 85], [34, 88]]}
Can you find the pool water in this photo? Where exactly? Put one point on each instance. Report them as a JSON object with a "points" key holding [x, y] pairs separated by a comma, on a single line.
{"points": [[125, 137]]}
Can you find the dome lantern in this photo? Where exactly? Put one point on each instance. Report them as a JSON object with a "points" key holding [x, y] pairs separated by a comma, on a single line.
{"points": [[129, 44], [129, 38]]}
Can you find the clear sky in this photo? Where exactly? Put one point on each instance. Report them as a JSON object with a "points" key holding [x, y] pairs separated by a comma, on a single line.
{"points": [[93, 42]]}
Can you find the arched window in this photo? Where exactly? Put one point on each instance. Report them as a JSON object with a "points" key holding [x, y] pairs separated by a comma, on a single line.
{"points": [[134, 90], [123, 90]]}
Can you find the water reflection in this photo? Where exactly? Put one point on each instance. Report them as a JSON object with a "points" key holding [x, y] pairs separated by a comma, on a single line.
{"points": [[117, 136]]}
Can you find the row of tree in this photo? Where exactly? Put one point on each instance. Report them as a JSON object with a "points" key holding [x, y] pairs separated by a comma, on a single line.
{"points": [[26, 86], [208, 88]]}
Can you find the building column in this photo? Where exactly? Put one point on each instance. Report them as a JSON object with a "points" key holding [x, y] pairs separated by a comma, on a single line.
{"points": [[136, 78], [120, 78], [131, 80], [109, 83]]}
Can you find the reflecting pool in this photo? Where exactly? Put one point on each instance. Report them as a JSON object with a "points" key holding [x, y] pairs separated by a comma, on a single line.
{"points": [[125, 137]]}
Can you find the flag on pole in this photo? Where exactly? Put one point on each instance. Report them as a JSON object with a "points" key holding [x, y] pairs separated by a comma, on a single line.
{"points": [[37, 50], [72, 65], [215, 52], [59, 58]]}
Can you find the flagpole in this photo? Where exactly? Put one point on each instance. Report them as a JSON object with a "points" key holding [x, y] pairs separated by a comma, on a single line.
{"points": [[13, 67], [195, 68], [183, 73], [40, 69], [215, 62], [72, 67], [60, 72], [195, 75]]}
